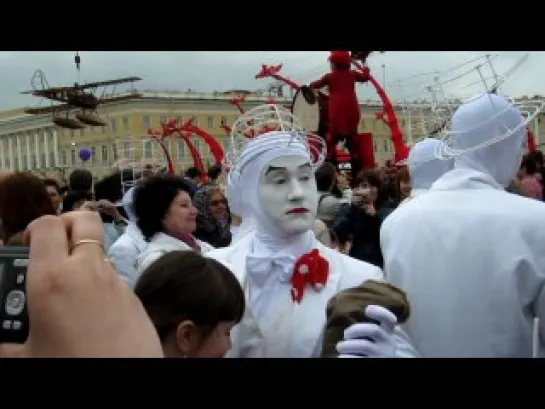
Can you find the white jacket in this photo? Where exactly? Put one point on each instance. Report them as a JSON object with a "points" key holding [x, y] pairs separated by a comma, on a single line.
{"points": [[161, 244], [305, 322], [125, 251]]}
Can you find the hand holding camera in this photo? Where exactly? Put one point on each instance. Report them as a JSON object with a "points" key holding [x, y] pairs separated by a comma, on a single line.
{"points": [[362, 198], [77, 305]]}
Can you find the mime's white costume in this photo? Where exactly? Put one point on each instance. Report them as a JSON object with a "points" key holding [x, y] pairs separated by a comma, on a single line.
{"points": [[275, 173], [470, 255]]}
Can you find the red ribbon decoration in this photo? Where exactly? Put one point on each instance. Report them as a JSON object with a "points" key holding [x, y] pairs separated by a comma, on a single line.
{"points": [[311, 268]]}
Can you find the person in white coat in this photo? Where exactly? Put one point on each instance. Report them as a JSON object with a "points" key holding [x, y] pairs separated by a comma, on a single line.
{"points": [[284, 318], [166, 217], [468, 254], [127, 248], [425, 167]]}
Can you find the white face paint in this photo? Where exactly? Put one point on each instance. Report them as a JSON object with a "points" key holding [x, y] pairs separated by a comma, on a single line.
{"points": [[288, 194]]}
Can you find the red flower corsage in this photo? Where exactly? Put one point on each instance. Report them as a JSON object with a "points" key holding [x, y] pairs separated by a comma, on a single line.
{"points": [[311, 268]]}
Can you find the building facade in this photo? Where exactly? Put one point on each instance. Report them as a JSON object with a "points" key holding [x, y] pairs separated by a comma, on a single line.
{"points": [[33, 143]]}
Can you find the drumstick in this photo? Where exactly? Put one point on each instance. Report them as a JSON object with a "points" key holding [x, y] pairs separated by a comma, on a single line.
{"points": [[535, 341]]}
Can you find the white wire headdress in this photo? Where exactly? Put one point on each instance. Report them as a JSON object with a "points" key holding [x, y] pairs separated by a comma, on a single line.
{"points": [[454, 145], [442, 92], [265, 121], [138, 157]]}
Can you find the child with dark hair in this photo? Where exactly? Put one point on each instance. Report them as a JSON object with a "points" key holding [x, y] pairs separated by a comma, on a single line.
{"points": [[194, 302]]}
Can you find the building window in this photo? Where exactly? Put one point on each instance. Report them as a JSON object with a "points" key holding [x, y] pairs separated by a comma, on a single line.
{"points": [[63, 159], [148, 151], [52, 159], [197, 144], [82, 132], [385, 145], [146, 122], [210, 122], [126, 123], [93, 153], [224, 120], [196, 120], [181, 149], [104, 153], [127, 150], [114, 125], [73, 157], [114, 151]]}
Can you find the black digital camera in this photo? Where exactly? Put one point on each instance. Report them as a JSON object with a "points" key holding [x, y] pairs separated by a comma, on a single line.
{"points": [[14, 323]]}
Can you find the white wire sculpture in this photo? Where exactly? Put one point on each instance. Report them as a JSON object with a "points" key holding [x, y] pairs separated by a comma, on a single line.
{"points": [[448, 90], [436, 95], [139, 157], [264, 120]]}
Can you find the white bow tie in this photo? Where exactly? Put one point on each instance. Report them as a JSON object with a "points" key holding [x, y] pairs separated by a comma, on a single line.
{"points": [[259, 267]]}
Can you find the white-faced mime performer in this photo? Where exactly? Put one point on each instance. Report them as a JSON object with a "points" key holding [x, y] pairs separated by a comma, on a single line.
{"points": [[287, 275], [468, 254], [425, 167]]}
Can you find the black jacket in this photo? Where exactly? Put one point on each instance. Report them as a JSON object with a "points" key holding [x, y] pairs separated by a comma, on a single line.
{"points": [[364, 229]]}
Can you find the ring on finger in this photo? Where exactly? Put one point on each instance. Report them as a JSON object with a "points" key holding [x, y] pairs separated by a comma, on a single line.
{"points": [[87, 241]]}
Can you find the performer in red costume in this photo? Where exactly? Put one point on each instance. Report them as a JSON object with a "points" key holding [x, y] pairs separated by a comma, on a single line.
{"points": [[344, 110]]}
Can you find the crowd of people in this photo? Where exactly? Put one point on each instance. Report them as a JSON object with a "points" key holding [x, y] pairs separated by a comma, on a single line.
{"points": [[283, 255]]}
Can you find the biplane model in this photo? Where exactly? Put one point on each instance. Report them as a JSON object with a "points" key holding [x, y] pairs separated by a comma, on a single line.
{"points": [[78, 98]]}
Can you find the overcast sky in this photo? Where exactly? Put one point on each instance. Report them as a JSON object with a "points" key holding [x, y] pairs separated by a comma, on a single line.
{"points": [[209, 71]]}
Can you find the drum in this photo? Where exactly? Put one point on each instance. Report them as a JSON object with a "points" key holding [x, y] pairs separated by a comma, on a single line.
{"points": [[313, 117]]}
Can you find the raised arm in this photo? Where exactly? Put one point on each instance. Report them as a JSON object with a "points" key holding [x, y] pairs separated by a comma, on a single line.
{"points": [[322, 82], [362, 76]]}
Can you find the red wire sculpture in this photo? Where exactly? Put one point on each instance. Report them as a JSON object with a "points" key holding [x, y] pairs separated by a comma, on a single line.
{"points": [[388, 115], [185, 131], [167, 129]]}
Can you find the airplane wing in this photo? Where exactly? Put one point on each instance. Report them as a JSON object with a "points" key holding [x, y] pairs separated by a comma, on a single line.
{"points": [[47, 92], [110, 82], [48, 110], [108, 100]]}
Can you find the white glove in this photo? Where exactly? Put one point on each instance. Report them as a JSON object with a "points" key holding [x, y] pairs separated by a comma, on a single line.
{"points": [[369, 340]]}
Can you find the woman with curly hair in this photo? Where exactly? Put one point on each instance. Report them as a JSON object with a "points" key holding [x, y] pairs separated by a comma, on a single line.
{"points": [[166, 218]]}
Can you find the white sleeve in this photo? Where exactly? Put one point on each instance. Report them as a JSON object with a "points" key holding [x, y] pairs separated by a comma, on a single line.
{"points": [[124, 259]]}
